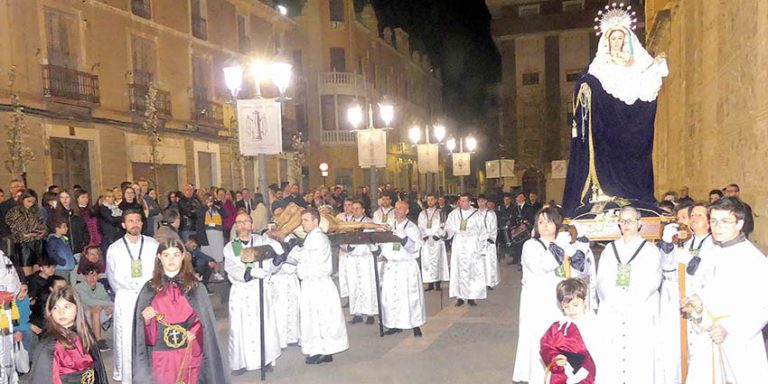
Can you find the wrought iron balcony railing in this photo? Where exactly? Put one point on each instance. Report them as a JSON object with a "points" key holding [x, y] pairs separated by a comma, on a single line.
{"points": [[70, 85], [207, 112], [137, 94]]}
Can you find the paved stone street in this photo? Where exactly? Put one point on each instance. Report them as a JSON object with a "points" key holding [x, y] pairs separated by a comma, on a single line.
{"points": [[460, 345]]}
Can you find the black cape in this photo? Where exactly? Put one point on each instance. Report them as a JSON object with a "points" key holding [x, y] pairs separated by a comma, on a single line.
{"points": [[213, 369], [42, 363]]}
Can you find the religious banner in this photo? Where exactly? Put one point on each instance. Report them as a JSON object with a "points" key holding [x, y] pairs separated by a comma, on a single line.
{"points": [[559, 169], [428, 158], [372, 148], [461, 164], [507, 168], [260, 129], [493, 169]]}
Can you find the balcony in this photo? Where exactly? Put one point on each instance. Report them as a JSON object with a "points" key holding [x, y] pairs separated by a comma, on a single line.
{"points": [[199, 27], [338, 137], [141, 8], [137, 94], [340, 78], [69, 85], [207, 113]]}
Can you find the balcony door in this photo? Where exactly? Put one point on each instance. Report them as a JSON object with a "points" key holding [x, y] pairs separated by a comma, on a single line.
{"points": [[62, 38], [338, 60], [71, 162]]}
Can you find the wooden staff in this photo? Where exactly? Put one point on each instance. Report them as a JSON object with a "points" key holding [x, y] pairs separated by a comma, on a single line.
{"points": [[683, 323]]}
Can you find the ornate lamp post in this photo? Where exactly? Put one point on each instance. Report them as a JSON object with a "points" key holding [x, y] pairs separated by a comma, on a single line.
{"points": [[355, 117]]}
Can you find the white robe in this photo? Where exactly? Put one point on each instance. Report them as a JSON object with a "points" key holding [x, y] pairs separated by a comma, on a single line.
{"points": [[285, 288], [538, 308], [244, 319], [127, 290], [629, 316], [491, 233], [361, 279], [343, 290], [402, 295], [467, 258], [668, 358], [737, 290], [378, 218], [323, 331], [434, 256], [9, 282]]}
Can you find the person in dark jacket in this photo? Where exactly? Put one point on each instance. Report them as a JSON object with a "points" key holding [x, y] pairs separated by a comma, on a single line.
{"points": [[110, 217], [67, 210], [27, 231], [189, 208]]}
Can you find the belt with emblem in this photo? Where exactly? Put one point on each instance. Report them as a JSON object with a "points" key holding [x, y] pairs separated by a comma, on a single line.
{"points": [[86, 376], [172, 336]]}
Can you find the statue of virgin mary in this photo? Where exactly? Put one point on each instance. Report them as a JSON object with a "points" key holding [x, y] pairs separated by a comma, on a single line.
{"points": [[614, 108]]}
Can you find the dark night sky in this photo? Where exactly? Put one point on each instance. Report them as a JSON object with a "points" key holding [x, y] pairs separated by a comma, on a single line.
{"points": [[456, 35]]}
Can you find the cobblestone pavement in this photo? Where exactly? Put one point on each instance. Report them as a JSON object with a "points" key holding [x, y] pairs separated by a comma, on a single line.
{"points": [[460, 345]]}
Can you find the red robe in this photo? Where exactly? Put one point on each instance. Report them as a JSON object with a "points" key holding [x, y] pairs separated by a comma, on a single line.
{"points": [[166, 362], [66, 361], [565, 339]]}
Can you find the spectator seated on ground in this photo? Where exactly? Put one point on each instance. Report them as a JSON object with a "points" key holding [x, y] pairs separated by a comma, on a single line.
{"points": [[288, 220], [97, 302], [203, 264]]}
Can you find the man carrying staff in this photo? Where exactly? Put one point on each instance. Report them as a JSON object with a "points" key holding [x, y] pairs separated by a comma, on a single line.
{"points": [[466, 228], [360, 274], [244, 317]]}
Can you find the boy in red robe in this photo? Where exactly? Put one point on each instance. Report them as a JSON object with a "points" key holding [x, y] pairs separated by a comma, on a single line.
{"points": [[564, 347]]}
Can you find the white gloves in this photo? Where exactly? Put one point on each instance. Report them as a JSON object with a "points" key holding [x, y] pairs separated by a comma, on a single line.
{"points": [[670, 230]]}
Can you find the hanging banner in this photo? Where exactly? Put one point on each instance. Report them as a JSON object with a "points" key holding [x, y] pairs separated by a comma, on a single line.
{"points": [[260, 127], [493, 169], [559, 169], [428, 158], [461, 164], [507, 168], [372, 148]]}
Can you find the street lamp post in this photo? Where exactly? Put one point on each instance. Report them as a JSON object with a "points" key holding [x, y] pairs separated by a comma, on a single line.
{"points": [[415, 135], [355, 117], [324, 173], [471, 145]]}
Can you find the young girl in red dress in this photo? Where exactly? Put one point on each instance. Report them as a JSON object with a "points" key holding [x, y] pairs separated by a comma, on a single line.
{"points": [[68, 354]]}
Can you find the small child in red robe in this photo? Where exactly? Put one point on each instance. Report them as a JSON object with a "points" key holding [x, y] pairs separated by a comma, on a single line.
{"points": [[69, 353], [564, 347]]}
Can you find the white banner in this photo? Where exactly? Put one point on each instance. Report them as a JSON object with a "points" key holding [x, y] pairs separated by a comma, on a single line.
{"points": [[493, 169], [507, 168], [372, 148], [260, 127], [559, 169], [461, 164], [428, 158]]}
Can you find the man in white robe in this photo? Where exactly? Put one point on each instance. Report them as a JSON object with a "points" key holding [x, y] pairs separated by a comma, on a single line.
{"points": [[434, 256], [385, 214], [402, 297], [361, 275], [730, 311], [323, 332], [689, 254], [628, 280], [491, 227], [466, 228], [285, 288], [345, 216], [244, 317], [130, 263]]}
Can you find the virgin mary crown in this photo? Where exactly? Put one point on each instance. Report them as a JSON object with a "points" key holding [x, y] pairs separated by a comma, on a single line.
{"points": [[615, 16]]}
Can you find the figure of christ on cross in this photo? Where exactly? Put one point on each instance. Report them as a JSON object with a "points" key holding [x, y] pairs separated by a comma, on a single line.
{"points": [[288, 220]]}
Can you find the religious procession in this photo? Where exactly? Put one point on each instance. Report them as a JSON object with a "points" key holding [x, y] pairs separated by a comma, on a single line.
{"points": [[615, 285]]}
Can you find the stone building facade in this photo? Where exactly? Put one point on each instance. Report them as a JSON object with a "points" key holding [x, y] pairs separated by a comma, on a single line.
{"points": [[712, 120]]}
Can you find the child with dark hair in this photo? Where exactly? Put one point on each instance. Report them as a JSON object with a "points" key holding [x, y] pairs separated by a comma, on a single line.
{"points": [[39, 283], [568, 344], [57, 246], [203, 264], [69, 353], [98, 304]]}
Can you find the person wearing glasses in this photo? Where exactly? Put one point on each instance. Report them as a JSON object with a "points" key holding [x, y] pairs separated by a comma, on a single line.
{"points": [[730, 311], [628, 279]]}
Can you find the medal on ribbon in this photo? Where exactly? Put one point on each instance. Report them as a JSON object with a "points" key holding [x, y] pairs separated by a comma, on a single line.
{"points": [[623, 273], [463, 225], [136, 268]]}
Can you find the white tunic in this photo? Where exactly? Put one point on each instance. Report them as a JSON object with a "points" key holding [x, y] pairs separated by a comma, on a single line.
{"points": [[323, 331], [127, 290], [538, 308], [285, 288], [629, 315], [361, 279], [467, 258], [434, 257], [402, 296], [343, 291], [491, 233], [244, 319], [668, 358], [9, 282], [379, 217], [736, 290]]}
